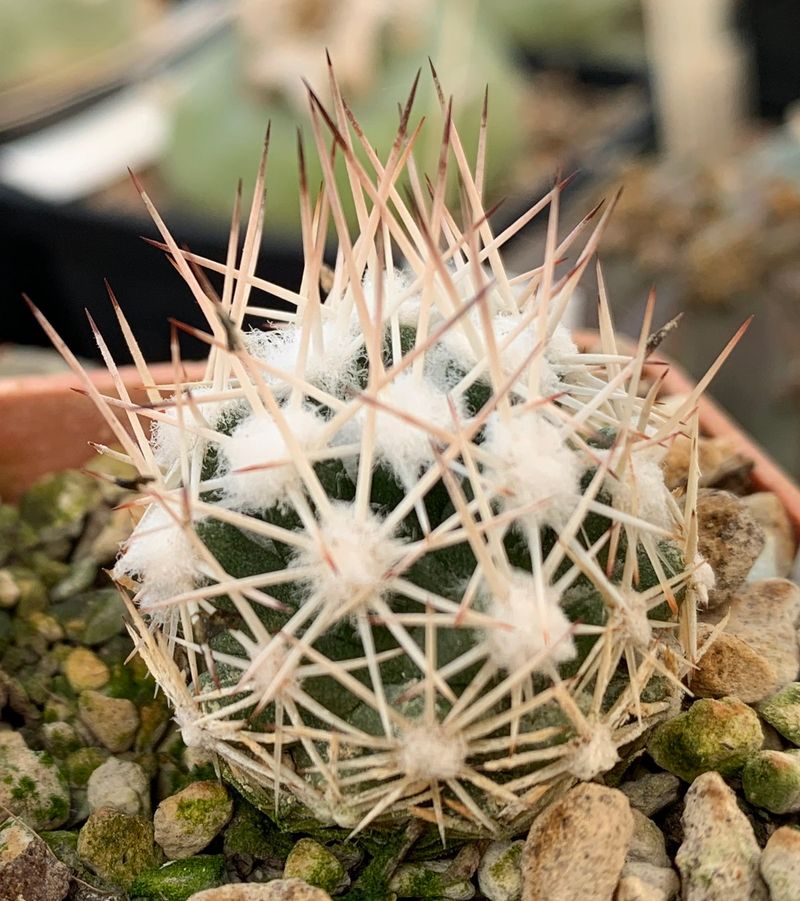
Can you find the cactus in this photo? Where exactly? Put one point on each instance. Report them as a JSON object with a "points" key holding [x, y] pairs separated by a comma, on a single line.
{"points": [[409, 554]]}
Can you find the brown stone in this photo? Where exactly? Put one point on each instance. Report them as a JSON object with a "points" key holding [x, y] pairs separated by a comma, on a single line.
{"points": [[576, 848], [765, 615], [28, 869], [729, 539], [731, 667], [718, 458]]}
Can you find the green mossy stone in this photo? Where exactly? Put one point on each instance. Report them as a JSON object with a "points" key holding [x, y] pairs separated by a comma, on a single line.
{"points": [[430, 880], [251, 833], [316, 865], [188, 821], [80, 764], [178, 880], [132, 681], [117, 846], [60, 739], [782, 711], [154, 719], [56, 506], [711, 735], [65, 847], [771, 780], [31, 784], [500, 872]]}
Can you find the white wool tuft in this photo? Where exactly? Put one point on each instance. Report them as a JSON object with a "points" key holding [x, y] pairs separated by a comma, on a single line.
{"points": [[533, 464], [333, 368], [537, 623], [519, 349], [354, 559], [641, 491], [635, 618], [559, 345], [165, 438], [704, 579], [258, 441], [430, 753], [594, 755], [160, 556], [404, 446], [407, 309]]}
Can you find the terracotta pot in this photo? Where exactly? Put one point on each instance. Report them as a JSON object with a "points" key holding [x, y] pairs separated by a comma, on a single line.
{"points": [[47, 426], [47, 423]]}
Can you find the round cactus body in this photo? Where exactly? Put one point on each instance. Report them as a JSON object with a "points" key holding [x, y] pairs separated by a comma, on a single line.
{"points": [[408, 554]]}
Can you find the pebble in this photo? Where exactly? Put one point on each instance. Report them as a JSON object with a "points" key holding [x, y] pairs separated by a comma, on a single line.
{"points": [[430, 879], [85, 670], [729, 539], [576, 847], [80, 765], [47, 626], [187, 821], [717, 458], [765, 614], [710, 735], [731, 667], [499, 873], [659, 882], [771, 780], [178, 879], [117, 847], [718, 859], [633, 888], [652, 792], [647, 842], [782, 711], [120, 784], [277, 890], [20, 587], [112, 721], [775, 560], [31, 785], [92, 618], [315, 864], [28, 870], [60, 738], [780, 864]]}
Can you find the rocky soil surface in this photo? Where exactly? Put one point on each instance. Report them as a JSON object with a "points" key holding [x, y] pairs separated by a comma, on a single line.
{"points": [[100, 800]]}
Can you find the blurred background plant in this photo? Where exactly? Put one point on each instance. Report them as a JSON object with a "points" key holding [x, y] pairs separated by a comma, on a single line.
{"points": [[687, 103]]}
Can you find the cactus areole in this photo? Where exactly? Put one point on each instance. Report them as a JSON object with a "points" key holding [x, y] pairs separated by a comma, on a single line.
{"points": [[406, 551]]}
